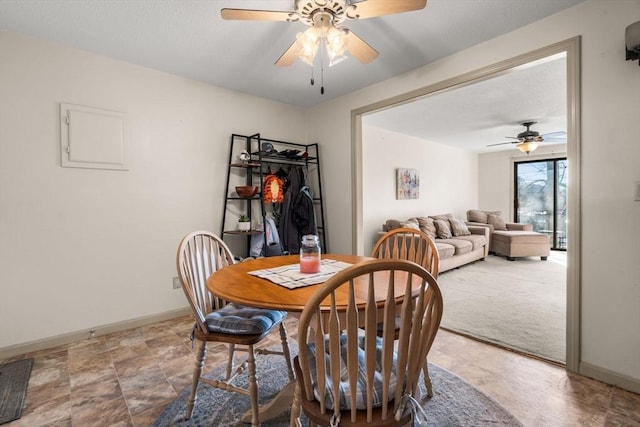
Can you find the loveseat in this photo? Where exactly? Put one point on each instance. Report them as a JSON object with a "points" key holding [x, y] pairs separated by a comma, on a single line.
{"points": [[509, 239], [457, 243]]}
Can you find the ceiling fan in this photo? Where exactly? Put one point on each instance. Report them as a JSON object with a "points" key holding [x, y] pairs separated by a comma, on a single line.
{"points": [[529, 140], [324, 17]]}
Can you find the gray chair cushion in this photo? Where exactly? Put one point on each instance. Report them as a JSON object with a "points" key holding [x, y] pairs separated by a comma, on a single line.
{"points": [[345, 391], [240, 320]]}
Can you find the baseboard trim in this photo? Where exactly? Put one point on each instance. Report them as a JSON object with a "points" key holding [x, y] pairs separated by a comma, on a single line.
{"points": [[610, 377], [68, 338], [586, 369]]}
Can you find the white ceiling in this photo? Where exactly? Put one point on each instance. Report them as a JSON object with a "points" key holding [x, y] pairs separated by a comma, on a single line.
{"points": [[486, 112], [189, 38]]}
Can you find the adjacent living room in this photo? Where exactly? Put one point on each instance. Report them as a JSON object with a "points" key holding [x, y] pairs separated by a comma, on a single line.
{"points": [[520, 305]]}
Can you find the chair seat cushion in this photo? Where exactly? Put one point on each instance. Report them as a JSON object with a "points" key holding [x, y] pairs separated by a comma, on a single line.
{"points": [[241, 320], [345, 391]]}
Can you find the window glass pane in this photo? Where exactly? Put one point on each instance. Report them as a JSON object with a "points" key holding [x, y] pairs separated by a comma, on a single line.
{"points": [[561, 203], [541, 198]]}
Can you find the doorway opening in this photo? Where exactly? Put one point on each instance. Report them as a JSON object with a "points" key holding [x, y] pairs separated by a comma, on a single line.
{"points": [[571, 48]]}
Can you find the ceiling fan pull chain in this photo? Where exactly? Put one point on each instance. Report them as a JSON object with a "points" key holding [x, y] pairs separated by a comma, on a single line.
{"points": [[321, 76], [313, 81]]}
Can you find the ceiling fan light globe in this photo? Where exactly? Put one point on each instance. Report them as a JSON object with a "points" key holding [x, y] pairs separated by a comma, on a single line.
{"points": [[336, 45], [336, 35], [527, 146], [307, 45], [336, 59], [309, 37], [307, 58]]}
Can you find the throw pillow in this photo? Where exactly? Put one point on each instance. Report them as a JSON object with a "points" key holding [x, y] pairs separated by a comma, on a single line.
{"points": [[476, 215], [442, 229], [444, 217], [410, 224], [458, 227], [426, 226], [391, 224], [497, 221]]}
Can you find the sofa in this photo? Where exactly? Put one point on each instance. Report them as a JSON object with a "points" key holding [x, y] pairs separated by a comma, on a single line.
{"points": [[509, 239], [457, 242]]}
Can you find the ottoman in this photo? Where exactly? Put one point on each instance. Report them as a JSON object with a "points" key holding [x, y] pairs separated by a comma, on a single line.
{"points": [[514, 244]]}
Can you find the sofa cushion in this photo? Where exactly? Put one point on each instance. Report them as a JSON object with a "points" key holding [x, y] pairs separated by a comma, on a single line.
{"points": [[477, 240], [520, 237], [458, 227], [427, 226], [476, 215], [445, 250], [497, 221], [461, 246], [519, 226], [480, 216], [442, 229]]}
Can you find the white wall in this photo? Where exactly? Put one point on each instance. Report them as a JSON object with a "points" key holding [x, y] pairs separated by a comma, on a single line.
{"points": [[448, 179], [81, 248], [610, 159]]}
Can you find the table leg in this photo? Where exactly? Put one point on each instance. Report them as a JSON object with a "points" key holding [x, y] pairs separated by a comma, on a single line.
{"points": [[275, 406]]}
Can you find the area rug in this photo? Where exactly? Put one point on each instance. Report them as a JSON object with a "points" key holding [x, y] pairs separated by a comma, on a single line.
{"points": [[14, 379], [517, 304], [455, 402]]}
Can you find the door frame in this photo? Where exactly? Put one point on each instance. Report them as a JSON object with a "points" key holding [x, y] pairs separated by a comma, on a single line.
{"points": [[571, 47]]}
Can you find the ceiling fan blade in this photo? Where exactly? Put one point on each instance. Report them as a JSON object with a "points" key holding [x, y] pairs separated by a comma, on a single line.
{"points": [[360, 49], [371, 8], [503, 143], [555, 136], [258, 15], [288, 57]]}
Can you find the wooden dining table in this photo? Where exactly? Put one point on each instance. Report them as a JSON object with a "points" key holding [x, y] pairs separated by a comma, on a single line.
{"points": [[234, 283]]}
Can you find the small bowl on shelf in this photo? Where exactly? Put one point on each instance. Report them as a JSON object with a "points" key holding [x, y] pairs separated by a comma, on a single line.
{"points": [[246, 191]]}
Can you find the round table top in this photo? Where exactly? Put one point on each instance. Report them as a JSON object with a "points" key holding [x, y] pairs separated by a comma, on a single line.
{"points": [[233, 283]]}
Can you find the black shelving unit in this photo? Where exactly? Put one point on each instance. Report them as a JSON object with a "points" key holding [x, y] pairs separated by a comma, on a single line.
{"points": [[253, 173]]}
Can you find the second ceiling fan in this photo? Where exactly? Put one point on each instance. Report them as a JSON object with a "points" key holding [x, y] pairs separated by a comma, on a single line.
{"points": [[324, 17], [529, 140]]}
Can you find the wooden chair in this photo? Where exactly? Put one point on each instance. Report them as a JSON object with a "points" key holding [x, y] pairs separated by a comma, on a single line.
{"points": [[200, 254], [412, 245], [372, 378]]}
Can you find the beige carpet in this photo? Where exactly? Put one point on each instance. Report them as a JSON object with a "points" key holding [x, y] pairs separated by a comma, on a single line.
{"points": [[518, 304]]}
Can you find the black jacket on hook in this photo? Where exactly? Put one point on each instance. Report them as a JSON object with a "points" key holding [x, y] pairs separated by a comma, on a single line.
{"points": [[298, 216]]}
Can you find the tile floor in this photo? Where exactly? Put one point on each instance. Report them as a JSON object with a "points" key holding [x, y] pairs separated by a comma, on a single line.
{"points": [[127, 378]]}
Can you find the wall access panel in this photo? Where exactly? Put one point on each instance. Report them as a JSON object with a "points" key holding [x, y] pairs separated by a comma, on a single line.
{"points": [[92, 138]]}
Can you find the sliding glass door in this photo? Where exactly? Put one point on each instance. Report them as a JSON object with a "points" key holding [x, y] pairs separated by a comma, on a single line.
{"points": [[541, 198]]}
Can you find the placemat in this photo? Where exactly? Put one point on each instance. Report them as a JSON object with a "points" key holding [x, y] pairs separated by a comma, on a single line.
{"points": [[290, 277]]}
